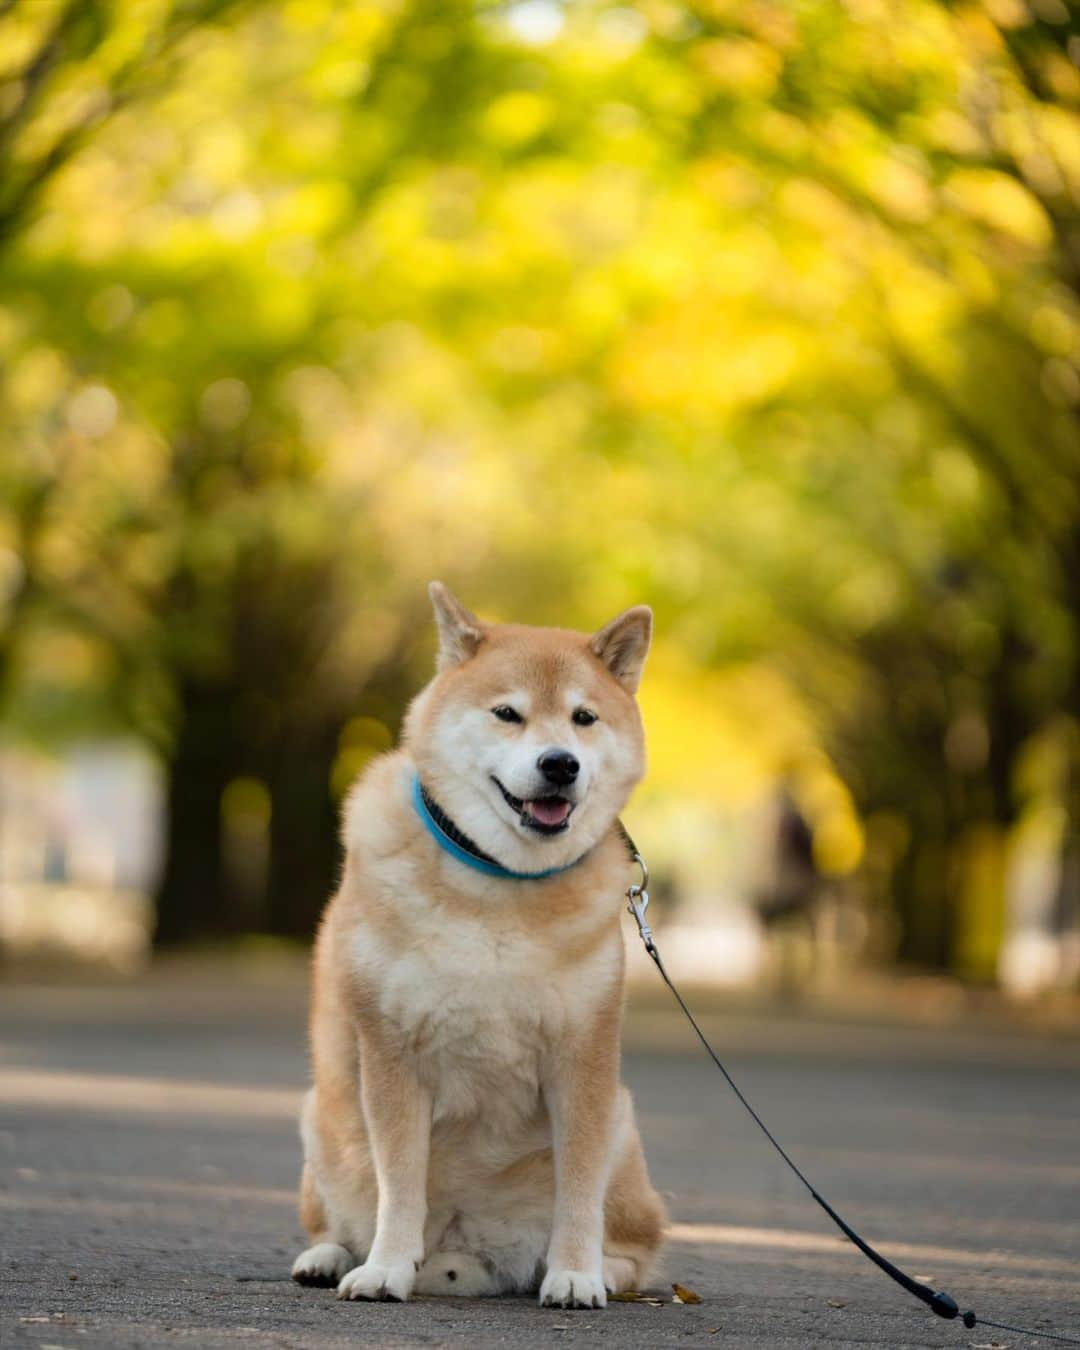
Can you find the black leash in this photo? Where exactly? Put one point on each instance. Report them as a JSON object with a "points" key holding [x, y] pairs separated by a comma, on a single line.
{"points": [[936, 1300]]}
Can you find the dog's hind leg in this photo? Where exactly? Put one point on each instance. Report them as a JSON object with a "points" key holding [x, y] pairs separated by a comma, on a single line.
{"points": [[332, 1253], [634, 1215], [325, 1261], [337, 1190]]}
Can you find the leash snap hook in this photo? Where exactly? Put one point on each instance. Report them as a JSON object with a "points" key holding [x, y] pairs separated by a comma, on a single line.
{"points": [[637, 901]]}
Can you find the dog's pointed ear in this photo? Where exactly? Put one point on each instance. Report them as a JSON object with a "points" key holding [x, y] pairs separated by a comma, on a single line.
{"points": [[460, 631], [623, 645]]}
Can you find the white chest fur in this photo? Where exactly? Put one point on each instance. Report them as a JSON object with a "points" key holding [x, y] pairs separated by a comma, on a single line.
{"points": [[476, 1002]]}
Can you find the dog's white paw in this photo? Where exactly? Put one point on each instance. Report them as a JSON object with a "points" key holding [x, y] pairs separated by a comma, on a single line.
{"points": [[324, 1264], [572, 1289], [618, 1274], [374, 1281], [459, 1273]]}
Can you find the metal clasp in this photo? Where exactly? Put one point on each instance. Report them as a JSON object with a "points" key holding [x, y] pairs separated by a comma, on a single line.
{"points": [[637, 900]]}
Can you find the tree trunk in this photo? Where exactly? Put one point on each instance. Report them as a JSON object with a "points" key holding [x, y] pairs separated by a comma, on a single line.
{"points": [[923, 897], [192, 901], [304, 847]]}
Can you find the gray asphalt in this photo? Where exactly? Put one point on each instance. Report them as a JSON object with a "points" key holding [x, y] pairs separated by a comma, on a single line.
{"points": [[149, 1158]]}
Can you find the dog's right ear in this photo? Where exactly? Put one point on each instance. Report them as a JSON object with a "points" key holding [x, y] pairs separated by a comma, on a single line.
{"points": [[460, 631]]}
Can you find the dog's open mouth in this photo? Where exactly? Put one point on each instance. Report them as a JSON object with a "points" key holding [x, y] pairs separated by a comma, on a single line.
{"points": [[546, 815]]}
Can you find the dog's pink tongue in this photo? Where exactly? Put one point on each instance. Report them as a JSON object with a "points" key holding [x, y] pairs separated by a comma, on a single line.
{"points": [[549, 810]]}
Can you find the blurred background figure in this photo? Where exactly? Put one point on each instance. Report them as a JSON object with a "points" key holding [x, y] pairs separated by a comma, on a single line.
{"points": [[80, 854], [766, 314], [788, 893]]}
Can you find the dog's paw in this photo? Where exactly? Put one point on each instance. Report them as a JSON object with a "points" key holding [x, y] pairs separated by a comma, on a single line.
{"points": [[618, 1274], [572, 1289], [322, 1265], [459, 1273], [373, 1281]]}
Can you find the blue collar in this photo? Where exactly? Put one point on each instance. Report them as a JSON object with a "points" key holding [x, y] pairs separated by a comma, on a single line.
{"points": [[446, 834]]}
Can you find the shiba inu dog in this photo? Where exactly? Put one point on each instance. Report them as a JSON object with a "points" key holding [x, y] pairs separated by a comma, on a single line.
{"points": [[467, 1132]]}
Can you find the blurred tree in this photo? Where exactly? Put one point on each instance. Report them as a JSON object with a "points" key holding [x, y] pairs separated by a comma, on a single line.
{"points": [[916, 179], [767, 313], [67, 66]]}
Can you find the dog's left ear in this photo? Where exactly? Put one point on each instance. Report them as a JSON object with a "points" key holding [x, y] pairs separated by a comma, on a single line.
{"points": [[460, 631], [623, 645]]}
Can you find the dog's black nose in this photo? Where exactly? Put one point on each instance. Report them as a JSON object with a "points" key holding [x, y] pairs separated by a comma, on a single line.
{"points": [[558, 766]]}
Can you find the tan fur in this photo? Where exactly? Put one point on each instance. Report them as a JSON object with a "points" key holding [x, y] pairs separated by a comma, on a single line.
{"points": [[466, 1132]]}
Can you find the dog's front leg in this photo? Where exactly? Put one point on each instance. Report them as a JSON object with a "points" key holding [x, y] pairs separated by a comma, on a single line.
{"points": [[580, 1089], [397, 1110]]}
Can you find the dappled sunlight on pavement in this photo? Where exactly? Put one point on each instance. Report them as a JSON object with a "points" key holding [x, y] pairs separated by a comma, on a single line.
{"points": [[113, 1094]]}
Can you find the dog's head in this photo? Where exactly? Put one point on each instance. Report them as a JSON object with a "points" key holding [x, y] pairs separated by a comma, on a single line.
{"points": [[530, 738]]}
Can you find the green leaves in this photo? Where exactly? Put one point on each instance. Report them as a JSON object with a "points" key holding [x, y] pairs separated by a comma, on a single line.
{"points": [[767, 313]]}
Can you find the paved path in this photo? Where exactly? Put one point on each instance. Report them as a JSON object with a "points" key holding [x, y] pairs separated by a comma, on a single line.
{"points": [[149, 1155]]}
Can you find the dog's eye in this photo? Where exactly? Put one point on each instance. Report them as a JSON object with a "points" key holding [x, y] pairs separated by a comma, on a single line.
{"points": [[583, 717], [505, 713]]}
